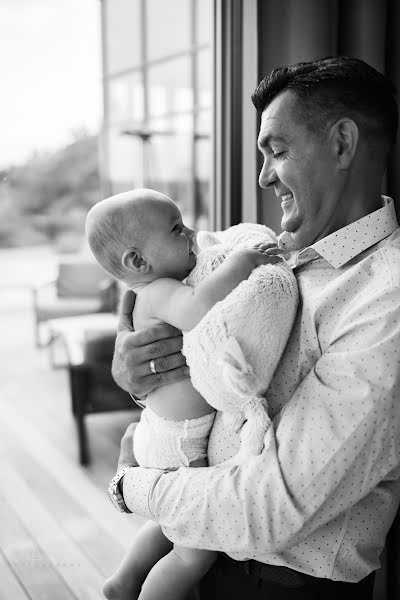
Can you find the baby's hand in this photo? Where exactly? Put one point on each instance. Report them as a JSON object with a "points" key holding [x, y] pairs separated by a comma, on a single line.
{"points": [[257, 255], [271, 251], [263, 247]]}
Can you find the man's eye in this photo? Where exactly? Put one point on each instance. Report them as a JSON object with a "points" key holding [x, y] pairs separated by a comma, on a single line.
{"points": [[278, 154]]}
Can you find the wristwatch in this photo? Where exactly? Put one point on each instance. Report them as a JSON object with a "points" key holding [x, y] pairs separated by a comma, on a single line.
{"points": [[115, 493], [139, 401]]}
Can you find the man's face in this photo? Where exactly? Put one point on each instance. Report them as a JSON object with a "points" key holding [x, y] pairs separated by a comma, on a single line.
{"points": [[301, 167]]}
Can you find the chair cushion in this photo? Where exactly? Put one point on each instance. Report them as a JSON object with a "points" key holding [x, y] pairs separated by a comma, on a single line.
{"points": [[66, 307], [79, 278]]}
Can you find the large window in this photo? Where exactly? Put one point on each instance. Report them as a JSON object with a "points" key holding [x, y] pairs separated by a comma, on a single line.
{"points": [[158, 75]]}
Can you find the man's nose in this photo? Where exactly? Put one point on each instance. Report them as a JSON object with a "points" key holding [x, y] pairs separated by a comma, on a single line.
{"points": [[267, 175]]}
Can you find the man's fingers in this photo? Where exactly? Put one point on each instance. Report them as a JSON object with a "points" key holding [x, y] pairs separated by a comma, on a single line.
{"points": [[166, 363], [153, 335], [126, 455], [170, 376], [125, 322]]}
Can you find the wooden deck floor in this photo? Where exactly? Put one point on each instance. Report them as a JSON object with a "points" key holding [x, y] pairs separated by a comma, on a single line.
{"points": [[59, 534]]}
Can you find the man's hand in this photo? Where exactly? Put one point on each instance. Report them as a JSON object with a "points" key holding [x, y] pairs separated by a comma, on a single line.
{"points": [[126, 455], [135, 349]]}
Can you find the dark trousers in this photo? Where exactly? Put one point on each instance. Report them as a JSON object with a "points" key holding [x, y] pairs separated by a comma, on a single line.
{"points": [[228, 580]]}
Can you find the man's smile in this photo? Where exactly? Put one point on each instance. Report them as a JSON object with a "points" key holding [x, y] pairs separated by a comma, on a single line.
{"points": [[287, 199]]}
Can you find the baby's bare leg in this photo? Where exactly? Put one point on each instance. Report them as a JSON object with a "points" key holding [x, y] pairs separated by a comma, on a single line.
{"points": [[175, 575], [148, 547]]}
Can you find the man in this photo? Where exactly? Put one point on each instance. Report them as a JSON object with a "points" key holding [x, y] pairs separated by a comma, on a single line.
{"points": [[313, 510]]}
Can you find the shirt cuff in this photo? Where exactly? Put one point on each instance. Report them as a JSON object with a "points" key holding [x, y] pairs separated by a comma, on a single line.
{"points": [[138, 487]]}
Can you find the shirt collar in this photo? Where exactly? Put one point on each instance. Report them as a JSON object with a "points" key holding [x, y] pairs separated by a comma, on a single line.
{"points": [[341, 246]]}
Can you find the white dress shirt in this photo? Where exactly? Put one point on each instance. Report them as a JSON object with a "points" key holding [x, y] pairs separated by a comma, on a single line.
{"points": [[322, 495]]}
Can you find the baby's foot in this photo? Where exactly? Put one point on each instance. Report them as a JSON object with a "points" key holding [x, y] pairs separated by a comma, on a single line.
{"points": [[115, 589]]}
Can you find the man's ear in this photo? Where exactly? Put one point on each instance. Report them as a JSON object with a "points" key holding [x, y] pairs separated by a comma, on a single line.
{"points": [[133, 261], [344, 135]]}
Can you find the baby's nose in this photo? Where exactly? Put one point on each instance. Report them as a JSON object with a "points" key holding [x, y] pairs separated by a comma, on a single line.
{"points": [[190, 232], [191, 235]]}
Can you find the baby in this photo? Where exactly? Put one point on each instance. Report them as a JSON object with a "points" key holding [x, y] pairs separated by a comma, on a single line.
{"points": [[139, 238]]}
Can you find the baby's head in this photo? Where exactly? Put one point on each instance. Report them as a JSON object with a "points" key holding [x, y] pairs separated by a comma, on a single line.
{"points": [[138, 236]]}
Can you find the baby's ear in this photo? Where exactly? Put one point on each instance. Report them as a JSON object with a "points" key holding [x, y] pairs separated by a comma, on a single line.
{"points": [[133, 261], [206, 239]]}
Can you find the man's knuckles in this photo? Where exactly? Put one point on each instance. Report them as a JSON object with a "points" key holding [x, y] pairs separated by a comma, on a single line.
{"points": [[156, 350], [157, 332]]}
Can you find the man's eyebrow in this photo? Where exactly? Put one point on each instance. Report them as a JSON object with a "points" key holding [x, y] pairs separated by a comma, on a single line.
{"points": [[267, 139]]}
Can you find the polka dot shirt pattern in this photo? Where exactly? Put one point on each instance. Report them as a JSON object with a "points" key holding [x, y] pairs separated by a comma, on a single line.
{"points": [[323, 493]]}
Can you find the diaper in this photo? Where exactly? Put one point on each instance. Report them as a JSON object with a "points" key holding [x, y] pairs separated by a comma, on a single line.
{"points": [[164, 444]]}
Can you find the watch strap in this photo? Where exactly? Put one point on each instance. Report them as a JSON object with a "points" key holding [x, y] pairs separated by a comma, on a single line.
{"points": [[139, 401], [114, 490]]}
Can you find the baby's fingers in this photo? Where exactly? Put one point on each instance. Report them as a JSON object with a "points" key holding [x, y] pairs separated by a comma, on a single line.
{"points": [[273, 250], [272, 259], [264, 246]]}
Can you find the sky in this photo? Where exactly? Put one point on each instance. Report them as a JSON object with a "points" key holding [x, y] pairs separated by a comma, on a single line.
{"points": [[50, 74]]}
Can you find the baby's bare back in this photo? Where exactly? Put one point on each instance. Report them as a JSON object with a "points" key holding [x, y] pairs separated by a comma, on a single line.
{"points": [[175, 401]]}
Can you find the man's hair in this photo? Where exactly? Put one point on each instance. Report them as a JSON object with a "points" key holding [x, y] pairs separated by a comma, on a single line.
{"points": [[335, 87]]}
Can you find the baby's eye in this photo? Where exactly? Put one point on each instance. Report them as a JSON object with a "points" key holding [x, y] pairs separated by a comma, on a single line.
{"points": [[177, 227]]}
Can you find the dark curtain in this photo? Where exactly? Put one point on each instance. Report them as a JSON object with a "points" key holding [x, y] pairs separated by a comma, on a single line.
{"points": [[290, 31]]}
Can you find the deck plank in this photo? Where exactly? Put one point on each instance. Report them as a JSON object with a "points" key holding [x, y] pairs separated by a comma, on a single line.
{"points": [[28, 561], [77, 522], [10, 587], [71, 478], [65, 556]]}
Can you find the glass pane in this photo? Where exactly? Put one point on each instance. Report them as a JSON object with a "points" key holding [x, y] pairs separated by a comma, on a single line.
{"points": [[204, 21], [204, 123], [125, 161], [202, 182], [123, 34], [204, 78], [170, 87], [168, 27], [126, 99], [168, 169]]}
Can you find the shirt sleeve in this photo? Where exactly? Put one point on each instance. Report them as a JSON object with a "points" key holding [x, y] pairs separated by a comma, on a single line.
{"points": [[334, 441]]}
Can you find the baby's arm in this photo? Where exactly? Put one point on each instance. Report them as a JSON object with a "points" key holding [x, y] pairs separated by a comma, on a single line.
{"points": [[184, 306]]}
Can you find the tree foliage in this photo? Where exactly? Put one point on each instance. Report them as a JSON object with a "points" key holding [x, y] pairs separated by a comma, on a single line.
{"points": [[46, 199]]}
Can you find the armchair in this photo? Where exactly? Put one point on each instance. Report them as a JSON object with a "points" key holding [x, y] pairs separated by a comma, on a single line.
{"points": [[81, 287], [88, 343]]}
